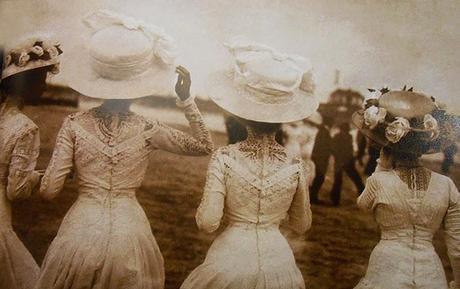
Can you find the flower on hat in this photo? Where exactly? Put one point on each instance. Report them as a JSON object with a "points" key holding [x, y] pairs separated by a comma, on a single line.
{"points": [[374, 115], [431, 124], [8, 60], [398, 129], [24, 57], [52, 51], [37, 50]]}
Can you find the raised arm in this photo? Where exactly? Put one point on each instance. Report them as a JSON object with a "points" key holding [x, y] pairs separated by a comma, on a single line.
{"points": [[22, 178], [61, 162], [300, 216], [175, 141], [452, 233], [211, 209]]}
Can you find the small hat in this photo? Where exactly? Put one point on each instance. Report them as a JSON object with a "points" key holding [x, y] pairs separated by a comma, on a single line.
{"points": [[32, 53], [406, 121], [264, 85], [122, 58]]}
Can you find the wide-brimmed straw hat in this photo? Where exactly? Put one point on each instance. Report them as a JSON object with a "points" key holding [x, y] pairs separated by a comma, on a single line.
{"points": [[406, 121], [264, 85], [34, 52], [122, 58]]}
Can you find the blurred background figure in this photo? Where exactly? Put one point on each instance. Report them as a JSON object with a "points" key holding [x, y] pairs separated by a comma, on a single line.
{"points": [[296, 138], [320, 155], [343, 152], [449, 157], [369, 149]]}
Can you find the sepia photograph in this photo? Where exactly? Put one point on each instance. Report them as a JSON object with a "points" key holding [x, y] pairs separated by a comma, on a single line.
{"points": [[229, 144]]}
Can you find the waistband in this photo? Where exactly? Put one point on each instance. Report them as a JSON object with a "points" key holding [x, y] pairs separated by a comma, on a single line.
{"points": [[253, 226], [405, 234]]}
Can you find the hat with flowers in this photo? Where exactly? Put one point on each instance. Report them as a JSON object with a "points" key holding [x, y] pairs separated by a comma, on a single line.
{"points": [[406, 121]]}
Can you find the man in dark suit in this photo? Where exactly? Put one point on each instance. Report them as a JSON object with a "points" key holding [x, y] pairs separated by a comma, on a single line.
{"points": [[320, 156], [342, 150]]}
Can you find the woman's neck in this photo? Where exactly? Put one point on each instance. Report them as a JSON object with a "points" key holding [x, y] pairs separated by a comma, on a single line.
{"points": [[115, 107], [413, 163], [255, 136]]}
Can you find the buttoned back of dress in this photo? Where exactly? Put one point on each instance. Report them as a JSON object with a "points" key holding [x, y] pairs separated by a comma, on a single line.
{"points": [[260, 190], [113, 164], [399, 210]]}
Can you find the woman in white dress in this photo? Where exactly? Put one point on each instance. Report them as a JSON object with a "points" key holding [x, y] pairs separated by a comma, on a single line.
{"points": [[254, 184], [23, 78], [409, 202], [105, 240]]}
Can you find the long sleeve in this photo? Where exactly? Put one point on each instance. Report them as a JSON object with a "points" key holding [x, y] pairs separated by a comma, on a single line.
{"points": [[300, 216], [176, 141], [211, 209], [452, 232], [366, 201], [61, 163], [22, 178]]}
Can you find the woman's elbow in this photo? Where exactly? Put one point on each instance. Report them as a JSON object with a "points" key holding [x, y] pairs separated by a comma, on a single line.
{"points": [[301, 226], [207, 226]]}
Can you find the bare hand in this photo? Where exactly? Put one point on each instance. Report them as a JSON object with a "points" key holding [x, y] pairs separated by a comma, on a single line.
{"points": [[183, 83]]}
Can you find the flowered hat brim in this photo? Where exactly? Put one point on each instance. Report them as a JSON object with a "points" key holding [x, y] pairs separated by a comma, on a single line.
{"points": [[13, 69], [158, 80], [377, 135], [236, 100]]}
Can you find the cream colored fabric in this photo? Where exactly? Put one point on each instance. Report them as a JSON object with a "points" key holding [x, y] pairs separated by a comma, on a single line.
{"points": [[105, 67], [405, 256], [253, 186], [264, 85], [105, 240], [19, 148]]}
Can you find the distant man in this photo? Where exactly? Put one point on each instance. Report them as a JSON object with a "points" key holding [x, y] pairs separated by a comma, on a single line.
{"points": [[320, 156], [342, 150]]}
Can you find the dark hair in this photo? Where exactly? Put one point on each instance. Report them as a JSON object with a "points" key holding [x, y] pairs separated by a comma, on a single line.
{"points": [[24, 83], [262, 127], [399, 155]]}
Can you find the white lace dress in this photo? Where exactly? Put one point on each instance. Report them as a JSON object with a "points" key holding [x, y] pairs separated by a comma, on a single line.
{"points": [[19, 148], [254, 186], [105, 240], [408, 217]]}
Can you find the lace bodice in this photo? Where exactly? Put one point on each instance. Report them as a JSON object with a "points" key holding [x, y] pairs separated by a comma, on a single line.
{"points": [[114, 162], [255, 184], [19, 148], [413, 215]]}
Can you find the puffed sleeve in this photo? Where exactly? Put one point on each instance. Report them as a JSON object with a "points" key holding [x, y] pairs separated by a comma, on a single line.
{"points": [[176, 141], [211, 209], [61, 162], [299, 214], [452, 232], [22, 178], [367, 199]]}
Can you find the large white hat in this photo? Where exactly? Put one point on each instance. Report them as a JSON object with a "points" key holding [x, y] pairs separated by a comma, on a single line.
{"points": [[122, 58], [264, 85]]}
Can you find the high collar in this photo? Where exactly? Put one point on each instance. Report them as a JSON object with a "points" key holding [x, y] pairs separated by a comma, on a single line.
{"points": [[260, 138]]}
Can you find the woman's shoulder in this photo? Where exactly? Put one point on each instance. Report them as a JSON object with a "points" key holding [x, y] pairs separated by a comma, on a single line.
{"points": [[20, 123]]}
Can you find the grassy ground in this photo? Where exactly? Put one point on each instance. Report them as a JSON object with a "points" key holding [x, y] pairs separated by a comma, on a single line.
{"points": [[333, 254]]}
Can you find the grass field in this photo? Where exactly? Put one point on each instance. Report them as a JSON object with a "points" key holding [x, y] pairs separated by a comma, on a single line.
{"points": [[333, 254]]}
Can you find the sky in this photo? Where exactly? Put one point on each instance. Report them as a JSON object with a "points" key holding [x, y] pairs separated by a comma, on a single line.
{"points": [[372, 43]]}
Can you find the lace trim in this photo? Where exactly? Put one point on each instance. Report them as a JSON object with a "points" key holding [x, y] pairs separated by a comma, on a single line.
{"points": [[255, 181], [417, 178]]}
